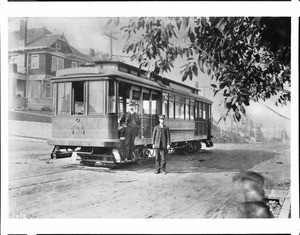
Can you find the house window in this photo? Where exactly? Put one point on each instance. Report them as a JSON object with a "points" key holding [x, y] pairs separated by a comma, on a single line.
{"points": [[48, 90], [21, 84], [35, 61], [74, 64], [14, 60], [35, 89], [57, 63], [58, 45]]}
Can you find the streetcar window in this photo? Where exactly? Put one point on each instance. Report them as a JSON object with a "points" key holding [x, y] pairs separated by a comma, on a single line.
{"points": [[171, 106], [146, 103], [165, 104], [154, 101], [54, 90], [200, 110], [134, 72], [136, 93], [63, 98], [123, 69], [79, 99], [124, 95], [111, 97], [182, 100], [192, 110], [204, 111], [187, 109], [146, 115], [196, 109], [179, 107], [96, 97]]}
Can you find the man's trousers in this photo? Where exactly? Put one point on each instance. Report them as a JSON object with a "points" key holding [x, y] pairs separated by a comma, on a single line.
{"points": [[161, 159], [130, 134]]}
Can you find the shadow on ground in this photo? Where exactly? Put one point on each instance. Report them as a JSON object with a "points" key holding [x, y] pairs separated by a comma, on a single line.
{"points": [[211, 161]]}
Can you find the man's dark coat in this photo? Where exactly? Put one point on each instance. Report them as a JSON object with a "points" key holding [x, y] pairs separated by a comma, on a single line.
{"points": [[161, 137], [127, 117]]}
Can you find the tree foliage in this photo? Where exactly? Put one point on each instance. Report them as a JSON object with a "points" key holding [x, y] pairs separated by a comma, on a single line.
{"points": [[249, 58]]}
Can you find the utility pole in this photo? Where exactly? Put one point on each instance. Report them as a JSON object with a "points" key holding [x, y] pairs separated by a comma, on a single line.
{"points": [[110, 35], [204, 87]]}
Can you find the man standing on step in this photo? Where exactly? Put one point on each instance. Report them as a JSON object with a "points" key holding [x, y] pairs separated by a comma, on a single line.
{"points": [[161, 143], [131, 121]]}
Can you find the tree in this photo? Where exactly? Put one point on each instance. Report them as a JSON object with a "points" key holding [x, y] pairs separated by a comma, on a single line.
{"points": [[248, 57]]}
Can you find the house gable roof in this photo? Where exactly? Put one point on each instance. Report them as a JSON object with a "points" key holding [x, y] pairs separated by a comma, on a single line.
{"points": [[45, 41], [41, 38], [32, 35]]}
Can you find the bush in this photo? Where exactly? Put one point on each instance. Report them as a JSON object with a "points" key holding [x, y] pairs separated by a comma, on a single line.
{"points": [[46, 108]]}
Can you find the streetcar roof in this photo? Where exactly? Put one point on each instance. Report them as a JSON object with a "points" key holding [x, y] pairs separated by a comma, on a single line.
{"points": [[109, 72]]}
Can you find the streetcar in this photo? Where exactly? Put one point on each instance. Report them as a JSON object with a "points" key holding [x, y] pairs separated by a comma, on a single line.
{"points": [[89, 100]]}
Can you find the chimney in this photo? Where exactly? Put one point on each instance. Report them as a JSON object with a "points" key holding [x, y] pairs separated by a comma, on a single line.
{"points": [[92, 52], [23, 33]]}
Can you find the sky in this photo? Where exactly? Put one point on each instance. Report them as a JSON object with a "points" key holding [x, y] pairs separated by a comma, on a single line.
{"points": [[89, 33]]}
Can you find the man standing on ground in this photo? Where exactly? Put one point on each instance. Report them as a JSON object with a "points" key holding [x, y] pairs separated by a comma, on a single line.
{"points": [[161, 143], [131, 122]]}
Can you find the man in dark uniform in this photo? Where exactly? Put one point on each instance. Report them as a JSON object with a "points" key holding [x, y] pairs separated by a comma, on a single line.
{"points": [[161, 143], [131, 122]]}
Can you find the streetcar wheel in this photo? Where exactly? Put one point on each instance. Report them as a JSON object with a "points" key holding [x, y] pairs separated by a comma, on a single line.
{"points": [[184, 150], [88, 163], [199, 145], [53, 155], [189, 147], [137, 156], [145, 154]]}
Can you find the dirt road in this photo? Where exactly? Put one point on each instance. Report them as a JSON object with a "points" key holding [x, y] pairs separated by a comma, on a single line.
{"points": [[199, 185]]}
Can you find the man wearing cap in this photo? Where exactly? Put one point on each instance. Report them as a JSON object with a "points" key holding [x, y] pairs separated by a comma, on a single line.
{"points": [[131, 121], [161, 143]]}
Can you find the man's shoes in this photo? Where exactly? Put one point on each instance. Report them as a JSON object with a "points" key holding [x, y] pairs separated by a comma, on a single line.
{"points": [[156, 172], [165, 173]]}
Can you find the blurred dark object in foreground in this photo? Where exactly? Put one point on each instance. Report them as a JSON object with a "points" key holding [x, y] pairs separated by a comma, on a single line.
{"points": [[253, 204]]}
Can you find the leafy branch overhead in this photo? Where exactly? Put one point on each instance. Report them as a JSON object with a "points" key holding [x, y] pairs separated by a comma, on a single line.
{"points": [[249, 58]]}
